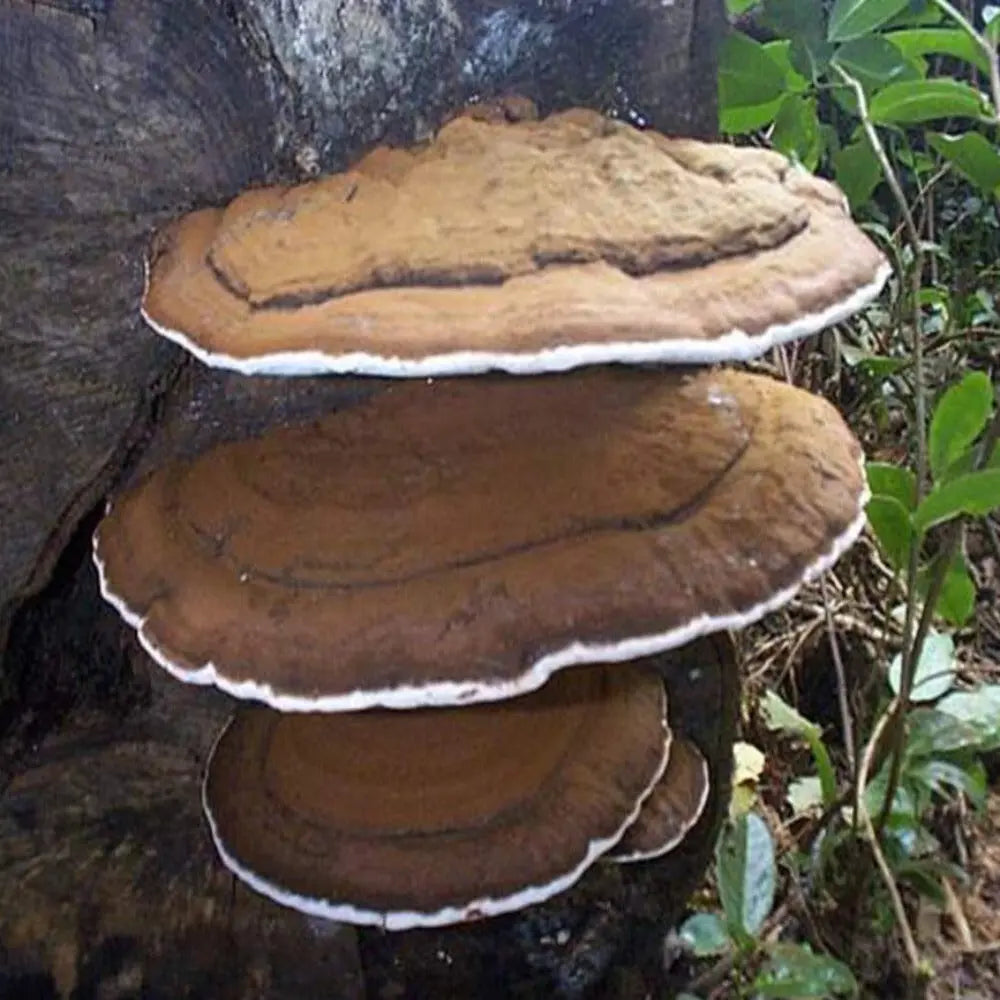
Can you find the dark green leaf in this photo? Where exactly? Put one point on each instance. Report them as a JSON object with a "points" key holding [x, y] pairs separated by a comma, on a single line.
{"points": [[873, 58], [973, 493], [914, 101], [933, 732], [959, 418], [748, 76], [705, 934], [792, 970], [974, 156], [780, 51], [886, 479], [890, 521], [744, 860], [857, 172], [957, 600], [854, 18], [918, 42], [796, 130]]}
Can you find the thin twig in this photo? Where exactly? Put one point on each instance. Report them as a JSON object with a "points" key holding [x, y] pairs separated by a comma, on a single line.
{"points": [[838, 665]]}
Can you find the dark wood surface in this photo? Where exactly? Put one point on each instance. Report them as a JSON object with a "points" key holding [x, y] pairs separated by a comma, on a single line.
{"points": [[110, 880]]}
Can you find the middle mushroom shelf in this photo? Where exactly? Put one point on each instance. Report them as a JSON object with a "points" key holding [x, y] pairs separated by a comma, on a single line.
{"points": [[446, 593]]}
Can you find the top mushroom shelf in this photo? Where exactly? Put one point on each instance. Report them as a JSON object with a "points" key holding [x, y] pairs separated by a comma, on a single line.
{"points": [[524, 247]]}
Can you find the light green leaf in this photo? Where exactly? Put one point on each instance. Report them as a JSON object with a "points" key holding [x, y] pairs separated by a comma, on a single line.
{"points": [[705, 934], [792, 970], [805, 794], [886, 479], [978, 709], [914, 101], [973, 155], [919, 42], [958, 419], [854, 18], [972, 493], [737, 7], [935, 670], [779, 716], [744, 860]]}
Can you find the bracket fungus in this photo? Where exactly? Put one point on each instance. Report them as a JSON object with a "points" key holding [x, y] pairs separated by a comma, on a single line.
{"points": [[447, 546], [434, 816], [672, 808], [527, 247], [462, 540]]}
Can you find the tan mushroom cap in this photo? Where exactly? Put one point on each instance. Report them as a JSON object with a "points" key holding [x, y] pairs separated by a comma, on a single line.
{"points": [[526, 247], [435, 816], [464, 539], [673, 807]]}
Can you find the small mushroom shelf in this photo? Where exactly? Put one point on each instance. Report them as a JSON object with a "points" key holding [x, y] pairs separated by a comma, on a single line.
{"points": [[444, 596]]}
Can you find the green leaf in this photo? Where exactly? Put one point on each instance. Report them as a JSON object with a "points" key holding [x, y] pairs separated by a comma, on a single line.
{"points": [[940, 776], [934, 732], [857, 172], [872, 58], [779, 715], [805, 794], [803, 25], [705, 934], [973, 155], [973, 493], [737, 7], [918, 42], [957, 600], [748, 76], [780, 51], [890, 521], [980, 710], [744, 860], [886, 479], [854, 18], [914, 101], [744, 121], [959, 418], [935, 670], [796, 130], [792, 970]]}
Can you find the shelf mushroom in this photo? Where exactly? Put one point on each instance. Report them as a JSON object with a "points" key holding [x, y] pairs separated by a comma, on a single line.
{"points": [[463, 540], [452, 547], [526, 247], [436, 816]]}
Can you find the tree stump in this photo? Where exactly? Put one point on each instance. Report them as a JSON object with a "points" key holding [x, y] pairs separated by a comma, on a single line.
{"points": [[114, 117]]}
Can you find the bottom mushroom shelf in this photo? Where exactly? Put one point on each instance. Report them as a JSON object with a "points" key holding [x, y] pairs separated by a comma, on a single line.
{"points": [[437, 816], [115, 879]]}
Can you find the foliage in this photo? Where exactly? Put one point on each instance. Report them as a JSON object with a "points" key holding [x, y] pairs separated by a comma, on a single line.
{"points": [[896, 100], [747, 876]]}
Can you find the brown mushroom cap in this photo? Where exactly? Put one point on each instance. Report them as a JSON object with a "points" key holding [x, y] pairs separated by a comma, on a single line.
{"points": [[436, 816], [526, 247], [462, 540], [672, 808]]}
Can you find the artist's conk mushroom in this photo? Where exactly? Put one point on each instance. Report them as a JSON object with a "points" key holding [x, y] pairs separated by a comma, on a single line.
{"points": [[435, 816], [527, 247], [463, 540]]}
